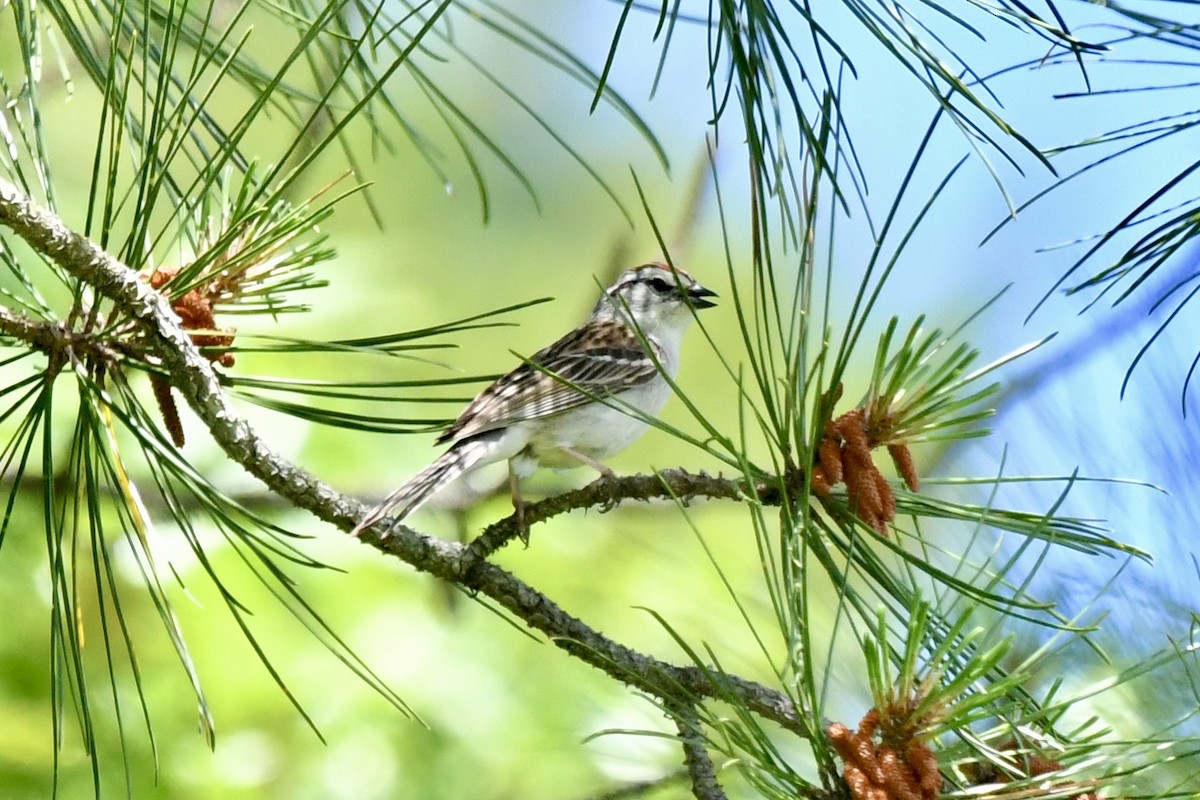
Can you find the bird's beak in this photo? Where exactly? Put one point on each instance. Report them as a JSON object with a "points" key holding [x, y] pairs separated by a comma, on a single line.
{"points": [[698, 296]]}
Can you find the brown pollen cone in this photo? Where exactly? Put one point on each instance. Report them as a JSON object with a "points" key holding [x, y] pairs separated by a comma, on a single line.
{"points": [[844, 454], [899, 770]]}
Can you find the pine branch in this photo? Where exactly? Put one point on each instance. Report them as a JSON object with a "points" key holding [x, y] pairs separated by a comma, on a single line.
{"points": [[193, 375], [695, 756], [641, 788], [607, 491]]}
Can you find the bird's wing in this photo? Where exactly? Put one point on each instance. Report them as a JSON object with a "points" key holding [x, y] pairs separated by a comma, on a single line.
{"points": [[600, 358]]}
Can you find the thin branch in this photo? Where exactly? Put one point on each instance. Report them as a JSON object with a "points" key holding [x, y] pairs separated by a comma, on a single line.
{"points": [[695, 756], [641, 788], [194, 376], [670, 484], [44, 336], [55, 339]]}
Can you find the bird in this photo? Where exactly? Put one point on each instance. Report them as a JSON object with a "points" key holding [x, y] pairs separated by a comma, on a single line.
{"points": [[580, 400]]}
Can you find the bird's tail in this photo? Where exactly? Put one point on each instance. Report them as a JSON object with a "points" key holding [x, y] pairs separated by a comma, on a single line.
{"points": [[409, 497]]}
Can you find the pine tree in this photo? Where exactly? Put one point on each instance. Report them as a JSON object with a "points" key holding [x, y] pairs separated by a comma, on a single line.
{"points": [[207, 149]]}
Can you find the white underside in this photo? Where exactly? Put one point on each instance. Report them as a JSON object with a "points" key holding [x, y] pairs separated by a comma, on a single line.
{"points": [[595, 429]]}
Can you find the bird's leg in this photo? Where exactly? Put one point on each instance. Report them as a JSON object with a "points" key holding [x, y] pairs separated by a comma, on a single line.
{"points": [[514, 486], [584, 458]]}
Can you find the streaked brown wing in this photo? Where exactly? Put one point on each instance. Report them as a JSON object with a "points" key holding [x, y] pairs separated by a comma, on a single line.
{"points": [[600, 358]]}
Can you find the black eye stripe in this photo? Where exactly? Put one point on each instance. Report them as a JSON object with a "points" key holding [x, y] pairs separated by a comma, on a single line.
{"points": [[660, 285]]}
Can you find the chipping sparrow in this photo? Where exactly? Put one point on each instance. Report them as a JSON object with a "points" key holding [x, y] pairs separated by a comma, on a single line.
{"points": [[555, 410]]}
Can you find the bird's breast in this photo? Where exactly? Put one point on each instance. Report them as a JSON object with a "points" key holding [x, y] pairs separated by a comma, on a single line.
{"points": [[596, 429]]}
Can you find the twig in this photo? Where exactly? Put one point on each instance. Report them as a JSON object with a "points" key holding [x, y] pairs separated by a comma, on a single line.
{"points": [[634, 790], [193, 375], [695, 756], [54, 339], [609, 491]]}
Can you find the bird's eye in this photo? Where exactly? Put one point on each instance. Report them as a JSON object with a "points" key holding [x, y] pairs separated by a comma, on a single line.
{"points": [[661, 285]]}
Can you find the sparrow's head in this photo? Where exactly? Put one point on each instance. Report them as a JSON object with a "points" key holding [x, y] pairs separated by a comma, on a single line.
{"points": [[654, 296]]}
